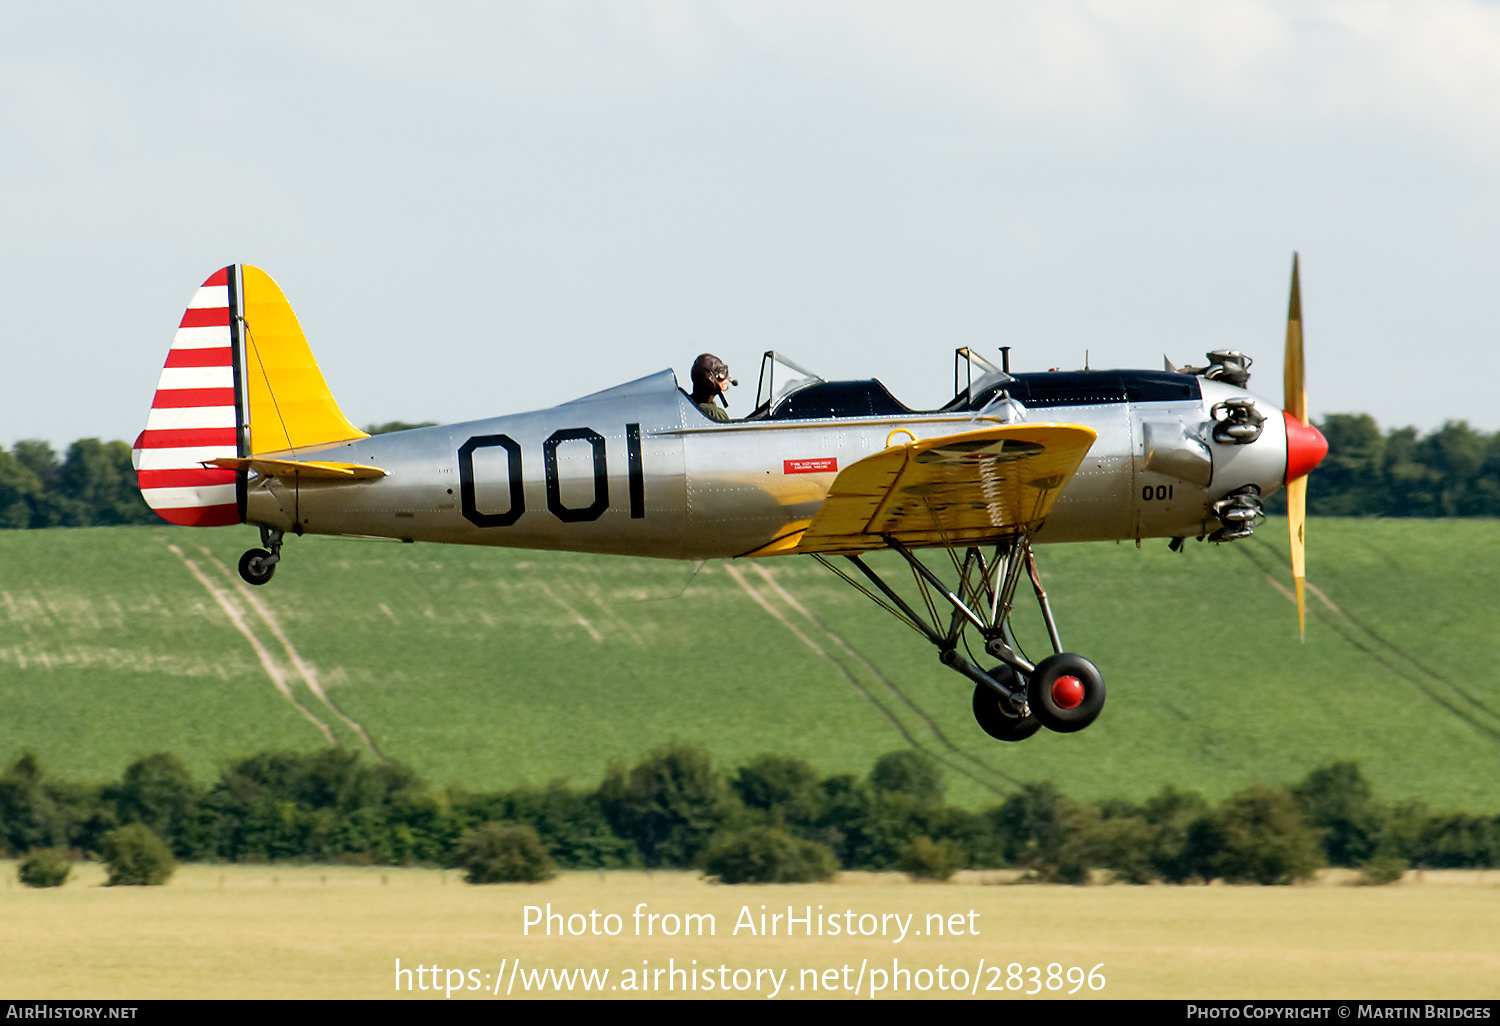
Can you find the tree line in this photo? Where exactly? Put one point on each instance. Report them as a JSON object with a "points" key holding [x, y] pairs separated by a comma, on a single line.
{"points": [[1452, 472], [91, 485], [774, 819]]}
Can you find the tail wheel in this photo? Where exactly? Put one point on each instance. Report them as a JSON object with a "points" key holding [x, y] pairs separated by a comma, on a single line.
{"points": [[255, 566], [1066, 692], [995, 715]]}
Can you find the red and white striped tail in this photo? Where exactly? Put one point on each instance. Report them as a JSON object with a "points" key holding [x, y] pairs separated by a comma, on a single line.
{"points": [[195, 417]]}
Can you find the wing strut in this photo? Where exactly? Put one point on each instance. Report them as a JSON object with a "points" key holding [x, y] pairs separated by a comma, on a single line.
{"points": [[964, 492], [982, 597], [1012, 700]]}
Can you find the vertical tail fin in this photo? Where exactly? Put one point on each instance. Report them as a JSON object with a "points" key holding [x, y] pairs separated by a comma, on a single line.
{"points": [[240, 380]]}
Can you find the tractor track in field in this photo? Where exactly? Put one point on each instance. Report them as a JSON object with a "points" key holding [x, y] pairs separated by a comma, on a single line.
{"points": [[1385, 652], [876, 672], [1400, 653], [948, 754], [304, 669], [281, 677]]}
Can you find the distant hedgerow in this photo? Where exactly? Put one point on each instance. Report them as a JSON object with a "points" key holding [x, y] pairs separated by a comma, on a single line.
{"points": [[136, 857], [671, 804], [926, 859], [1263, 838], [45, 867], [768, 855], [1382, 870], [494, 853], [773, 820]]}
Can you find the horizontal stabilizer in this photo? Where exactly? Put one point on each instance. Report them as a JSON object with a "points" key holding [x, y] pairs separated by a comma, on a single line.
{"points": [[309, 469]]}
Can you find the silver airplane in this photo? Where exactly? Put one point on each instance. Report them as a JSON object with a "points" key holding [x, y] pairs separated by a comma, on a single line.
{"points": [[243, 429]]}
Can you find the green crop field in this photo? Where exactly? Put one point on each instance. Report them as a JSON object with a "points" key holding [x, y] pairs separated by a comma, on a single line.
{"points": [[487, 668]]}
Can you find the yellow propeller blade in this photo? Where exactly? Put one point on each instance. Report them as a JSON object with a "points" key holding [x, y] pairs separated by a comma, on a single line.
{"points": [[1296, 405], [1295, 392], [1296, 514]]}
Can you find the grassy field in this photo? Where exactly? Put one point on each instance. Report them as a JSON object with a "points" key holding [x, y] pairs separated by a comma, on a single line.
{"points": [[337, 932], [492, 667]]}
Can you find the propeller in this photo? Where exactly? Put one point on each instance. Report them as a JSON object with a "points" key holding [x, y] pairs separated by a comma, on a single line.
{"points": [[1305, 446]]}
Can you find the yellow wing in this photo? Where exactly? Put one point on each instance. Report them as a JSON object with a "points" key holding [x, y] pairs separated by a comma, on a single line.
{"points": [[962, 489]]}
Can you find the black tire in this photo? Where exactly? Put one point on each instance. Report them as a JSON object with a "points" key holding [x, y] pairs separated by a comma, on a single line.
{"points": [[993, 713], [1045, 706], [254, 568]]}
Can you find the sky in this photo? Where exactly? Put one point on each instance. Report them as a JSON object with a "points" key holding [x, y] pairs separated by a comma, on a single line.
{"points": [[481, 208]]}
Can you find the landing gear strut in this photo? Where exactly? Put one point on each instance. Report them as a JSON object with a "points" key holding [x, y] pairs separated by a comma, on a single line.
{"points": [[257, 566], [1064, 692]]}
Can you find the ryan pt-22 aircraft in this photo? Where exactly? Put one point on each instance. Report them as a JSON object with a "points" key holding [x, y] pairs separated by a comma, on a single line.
{"points": [[243, 429]]}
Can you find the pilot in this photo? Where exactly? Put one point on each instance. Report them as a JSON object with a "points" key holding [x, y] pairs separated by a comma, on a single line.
{"points": [[710, 380]]}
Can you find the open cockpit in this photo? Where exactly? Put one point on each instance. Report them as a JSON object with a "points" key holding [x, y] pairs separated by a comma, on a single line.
{"points": [[789, 392]]}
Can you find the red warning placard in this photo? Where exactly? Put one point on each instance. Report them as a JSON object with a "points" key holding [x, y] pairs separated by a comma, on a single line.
{"points": [[821, 465]]}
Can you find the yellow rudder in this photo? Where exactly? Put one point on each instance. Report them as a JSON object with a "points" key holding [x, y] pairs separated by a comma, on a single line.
{"points": [[288, 402]]}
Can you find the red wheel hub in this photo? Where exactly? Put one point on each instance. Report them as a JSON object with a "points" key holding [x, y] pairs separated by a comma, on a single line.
{"points": [[1067, 692]]}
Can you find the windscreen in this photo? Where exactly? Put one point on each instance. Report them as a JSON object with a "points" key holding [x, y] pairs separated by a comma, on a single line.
{"points": [[780, 377]]}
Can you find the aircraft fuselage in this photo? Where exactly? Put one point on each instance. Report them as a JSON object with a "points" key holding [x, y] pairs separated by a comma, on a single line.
{"points": [[638, 470]]}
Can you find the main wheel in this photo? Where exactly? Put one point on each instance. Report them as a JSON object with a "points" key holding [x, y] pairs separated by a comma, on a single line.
{"points": [[254, 568], [994, 714], [1066, 692]]}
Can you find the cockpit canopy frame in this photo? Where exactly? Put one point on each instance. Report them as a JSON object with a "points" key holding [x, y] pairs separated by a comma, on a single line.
{"points": [[779, 378]]}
